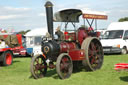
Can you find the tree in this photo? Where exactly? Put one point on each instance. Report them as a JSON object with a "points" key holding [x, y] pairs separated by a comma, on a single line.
{"points": [[123, 19], [28, 31], [23, 32]]}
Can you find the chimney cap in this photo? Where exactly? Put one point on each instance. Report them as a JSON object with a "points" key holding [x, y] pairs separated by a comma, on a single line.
{"points": [[48, 4]]}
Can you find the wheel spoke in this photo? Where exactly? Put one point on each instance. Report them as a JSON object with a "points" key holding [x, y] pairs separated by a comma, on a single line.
{"points": [[93, 46], [37, 61], [63, 61], [97, 48], [92, 60], [90, 52], [61, 66]]}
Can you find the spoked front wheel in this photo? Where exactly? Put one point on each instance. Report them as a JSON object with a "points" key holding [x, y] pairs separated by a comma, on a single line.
{"points": [[38, 66], [64, 66]]}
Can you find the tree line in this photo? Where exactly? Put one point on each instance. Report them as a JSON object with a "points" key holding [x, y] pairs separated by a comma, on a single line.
{"points": [[123, 19], [23, 32]]}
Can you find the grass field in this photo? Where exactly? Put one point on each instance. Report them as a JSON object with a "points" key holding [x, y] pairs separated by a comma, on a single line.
{"points": [[19, 74]]}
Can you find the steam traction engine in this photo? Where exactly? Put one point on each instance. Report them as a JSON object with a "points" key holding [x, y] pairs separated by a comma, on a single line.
{"points": [[74, 46]]}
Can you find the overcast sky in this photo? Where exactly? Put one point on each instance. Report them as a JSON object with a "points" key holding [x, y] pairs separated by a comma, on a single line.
{"points": [[30, 14]]}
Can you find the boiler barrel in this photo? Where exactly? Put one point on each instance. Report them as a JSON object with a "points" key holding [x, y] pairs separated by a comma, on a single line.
{"points": [[52, 48], [65, 46]]}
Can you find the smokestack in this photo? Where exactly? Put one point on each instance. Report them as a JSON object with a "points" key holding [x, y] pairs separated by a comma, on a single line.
{"points": [[49, 14]]}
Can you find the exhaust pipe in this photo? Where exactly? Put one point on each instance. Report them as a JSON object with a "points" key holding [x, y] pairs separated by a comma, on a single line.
{"points": [[49, 15]]}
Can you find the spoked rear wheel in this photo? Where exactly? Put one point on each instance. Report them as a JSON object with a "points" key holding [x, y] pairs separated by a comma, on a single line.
{"points": [[38, 66], [93, 54], [64, 66]]}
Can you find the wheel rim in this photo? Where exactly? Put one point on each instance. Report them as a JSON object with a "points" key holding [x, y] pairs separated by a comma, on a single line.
{"points": [[8, 58], [95, 55], [65, 67], [39, 67]]}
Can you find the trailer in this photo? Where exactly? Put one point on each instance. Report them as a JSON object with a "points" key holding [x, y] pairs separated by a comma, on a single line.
{"points": [[15, 46]]}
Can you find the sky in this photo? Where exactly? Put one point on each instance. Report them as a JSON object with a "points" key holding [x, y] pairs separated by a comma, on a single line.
{"points": [[30, 14]]}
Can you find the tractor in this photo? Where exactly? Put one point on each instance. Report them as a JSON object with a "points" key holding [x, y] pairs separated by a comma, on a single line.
{"points": [[74, 48]]}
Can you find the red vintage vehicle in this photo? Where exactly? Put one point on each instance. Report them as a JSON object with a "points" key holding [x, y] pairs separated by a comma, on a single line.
{"points": [[15, 46], [77, 47]]}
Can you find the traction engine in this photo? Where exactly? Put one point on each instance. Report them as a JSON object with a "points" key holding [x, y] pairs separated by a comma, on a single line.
{"points": [[74, 47]]}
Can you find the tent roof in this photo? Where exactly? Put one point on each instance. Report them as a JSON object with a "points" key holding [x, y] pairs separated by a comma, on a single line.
{"points": [[37, 32]]}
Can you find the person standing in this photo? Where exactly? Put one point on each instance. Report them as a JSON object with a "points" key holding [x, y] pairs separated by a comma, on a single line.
{"points": [[2, 43], [59, 33]]}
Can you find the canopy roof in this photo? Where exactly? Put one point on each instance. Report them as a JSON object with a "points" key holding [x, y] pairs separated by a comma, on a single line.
{"points": [[72, 15]]}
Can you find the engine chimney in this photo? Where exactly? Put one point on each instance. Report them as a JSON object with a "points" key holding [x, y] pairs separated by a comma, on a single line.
{"points": [[49, 14]]}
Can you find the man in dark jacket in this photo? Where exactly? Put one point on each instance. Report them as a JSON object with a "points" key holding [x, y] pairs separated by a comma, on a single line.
{"points": [[59, 33]]}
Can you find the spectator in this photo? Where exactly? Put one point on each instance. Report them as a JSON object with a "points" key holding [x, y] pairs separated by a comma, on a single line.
{"points": [[2, 43], [59, 33]]}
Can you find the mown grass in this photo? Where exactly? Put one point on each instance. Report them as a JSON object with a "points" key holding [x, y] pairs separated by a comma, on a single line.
{"points": [[19, 74]]}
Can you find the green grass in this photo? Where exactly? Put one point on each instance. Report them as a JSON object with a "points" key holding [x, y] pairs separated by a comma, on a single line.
{"points": [[19, 74]]}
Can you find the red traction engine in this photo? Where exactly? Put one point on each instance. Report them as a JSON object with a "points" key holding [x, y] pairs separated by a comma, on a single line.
{"points": [[80, 47]]}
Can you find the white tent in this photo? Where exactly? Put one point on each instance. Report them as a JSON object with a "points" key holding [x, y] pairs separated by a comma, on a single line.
{"points": [[37, 32], [33, 40]]}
